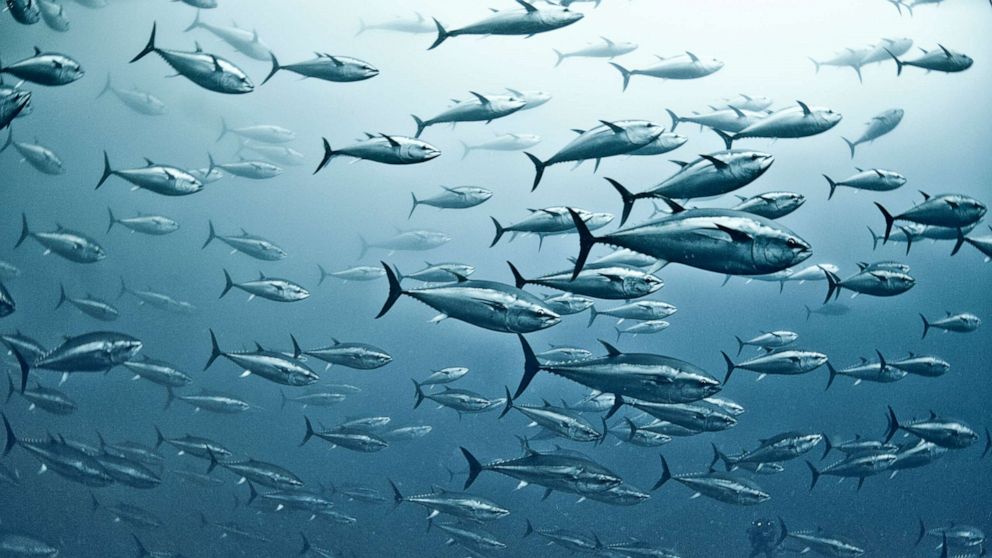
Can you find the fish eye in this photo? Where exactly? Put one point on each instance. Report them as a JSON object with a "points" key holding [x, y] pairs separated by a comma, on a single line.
{"points": [[791, 243]]}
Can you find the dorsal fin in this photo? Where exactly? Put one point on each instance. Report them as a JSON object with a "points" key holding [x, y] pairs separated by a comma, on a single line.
{"points": [[258, 346], [720, 165], [392, 142], [482, 98], [805, 107], [37, 51], [610, 349], [616, 129], [692, 57], [682, 164]]}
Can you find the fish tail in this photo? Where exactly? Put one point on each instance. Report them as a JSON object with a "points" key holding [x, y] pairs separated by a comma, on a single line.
{"points": [[921, 533], [814, 475], [851, 145], [499, 232], [395, 290], [223, 129], [466, 149], [106, 87], [416, 202], [539, 166], [62, 297], [323, 274], [113, 220], [142, 551], [728, 140], [442, 34], [586, 242], [561, 57], [275, 67], [508, 405], [626, 196], [159, 438], [123, 290], [830, 381], [170, 396], [623, 72], [361, 27], [397, 495], [328, 153], [619, 332], [418, 393], [10, 388], [210, 235], [833, 185], [474, 467], [720, 456], [892, 427], [529, 530], [740, 345], [828, 445], [815, 63], [889, 220], [149, 47], [11, 438], [420, 125], [957, 244], [874, 238], [593, 313], [675, 118], [730, 367], [214, 350], [988, 443], [809, 312], [364, 246], [518, 279], [23, 365], [899, 63], [94, 503], [25, 231], [926, 326], [666, 474], [531, 366], [107, 171], [228, 284], [252, 493], [309, 433], [195, 24]]}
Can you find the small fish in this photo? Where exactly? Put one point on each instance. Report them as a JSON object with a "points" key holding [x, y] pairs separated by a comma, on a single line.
{"points": [[270, 288], [154, 225], [45, 68], [878, 126], [963, 322], [683, 66], [326, 67], [209, 71]]}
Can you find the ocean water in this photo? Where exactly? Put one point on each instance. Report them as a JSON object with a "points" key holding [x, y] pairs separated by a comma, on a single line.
{"points": [[939, 146]]}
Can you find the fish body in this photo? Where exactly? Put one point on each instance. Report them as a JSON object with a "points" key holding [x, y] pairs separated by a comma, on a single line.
{"points": [[529, 21], [269, 288], [326, 67], [154, 225], [878, 126], [940, 59], [483, 108], [43, 159], [249, 244], [723, 487], [389, 150], [360, 356], [91, 306], [165, 180], [271, 365], [135, 99], [771, 205], [680, 67], [556, 472], [209, 71], [72, 245], [244, 41], [45, 68], [874, 180], [616, 283]]}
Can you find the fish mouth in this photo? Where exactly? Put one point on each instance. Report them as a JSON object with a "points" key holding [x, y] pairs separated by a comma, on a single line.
{"points": [[432, 154]]}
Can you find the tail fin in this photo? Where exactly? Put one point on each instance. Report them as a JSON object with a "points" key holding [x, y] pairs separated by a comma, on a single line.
{"points": [[833, 185], [395, 290], [958, 242], [851, 145], [24, 366], [892, 427], [365, 247], [227, 284], [740, 345], [142, 551], [11, 438], [252, 493], [809, 312], [62, 297], [25, 231], [309, 433], [213, 461], [619, 332], [442, 34], [413, 206], [420, 125], [833, 285], [170, 396], [10, 388], [323, 274], [666, 474], [214, 350], [922, 533], [149, 48], [275, 67], [926, 326], [874, 239], [586, 242], [593, 313], [123, 290], [107, 171], [728, 140], [988, 443], [210, 235], [831, 378], [623, 72], [561, 57], [720, 456], [328, 153], [730, 367], [159, 438], [474, 467], [529, 530], [675, 118], [223, 129], [508, 405], [632, 427], [397, 495], [814, 475], [113, 220], [518, 279], [499, 232], [282, 399], [195, 24], [418, 394], [531, 366], [625, 195], [297, 351], [106, 87], [899, 63], [828, 445], [815, 63], [94, 503], [361, 27], [538, 169], [889, 220], [466, 149]]}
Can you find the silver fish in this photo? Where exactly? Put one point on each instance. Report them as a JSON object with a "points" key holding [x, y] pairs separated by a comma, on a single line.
{"points": [[209, 71]]}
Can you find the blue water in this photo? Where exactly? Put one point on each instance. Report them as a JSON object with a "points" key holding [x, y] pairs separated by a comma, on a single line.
{"points": [[940, 147]]}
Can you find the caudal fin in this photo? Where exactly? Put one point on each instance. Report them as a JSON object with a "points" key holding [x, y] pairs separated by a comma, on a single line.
{"points": [[833, 285], [195, 24], [814, 475], [899, 63], [508, 404], [107, 86], [275, 67], [149, 47], [23, 365], [328, 153], [113, 220], [730, 367], [740, 345], [309, 433], [728, 140], [957, 244], [892, 426], [560, 56], [499, 232], [323, 274], [395, 290], [833, 185], [62, 297], [210, 235], [420, 125], [228, 283], [889, 220], [850, 144], [666, 474], [626, 196], [926, 326], [413, 206], [25, 231], [539, 166], [586, 242], [418, 394], [107, 171], [474, 467], [593, 313], [214, 350], [518, 279], [11, 438], [623, 72], [831, 378], [466, 149], [442, 34], [675, 118], [531, 366], [223, 129]]}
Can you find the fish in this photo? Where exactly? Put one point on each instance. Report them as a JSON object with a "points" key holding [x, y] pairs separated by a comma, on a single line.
{"points": [[161, 301], [134, 451], [445, 375], [982, 243], [417, 25], [360, 356], [878, 126], [822, 543], [445, 272], [233, 529], [710, 175], [723, 487], [165, 180], [878, 372], [744, 101], [879, 282], [326, 67], [486, 304], [644, 376], [128, 472], [271, 365], [857, 465], [645, 310], [354, 440], [248, 244], [413, 240], [317, 399], [529, 22], [382, 148], [47, 399], [768, 340], [245, 168], [244, 41], [504, 142], [457, 197], [792, 122], [600, 282], [609, 139], [681, 67], [471, 539], [22, 545], [897, 46], [294, 499], [922, 365], [963, 322], [154, 225], [199, 479], [562, 422], [639, 436], [550, 221], [405, 433], [46, 68], [196, 446], [66, 461], [771, 205], [918, 454], [874, 180], [643, 328], [665, 142], [787, 362], [780, 447], [278, 154], [209, 71], [458, 504], [941, 59], [142, 551], [14, 102], [30, 349], [208, 400], [554, 472], [9, 270], [560, 353], [43, 159], [699, 418], [264, 133], [604, 49], [946, 433], [270, 288], [25, 12], [568, 303], [7, 304], [731, 119], [484, 108], [461, 400], [570, 540], [849, 57], [139, 101], [259, 472], [97, 351], [954, 535]]}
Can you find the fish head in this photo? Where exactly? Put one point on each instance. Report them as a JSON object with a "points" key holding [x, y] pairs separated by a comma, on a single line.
{"points": [[780, 248], [422, 151], [70, 69], [366, 70], [598, 220], [124, 349], [560, 16], [642, 133], [378, 358], [806, 442], [236, 81], [296, 292], [638, 286], [697, 386], [749, 164], [508, 104], [828, 117], [526, 317], [722, 420], [591, 481], [810, 360]]}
